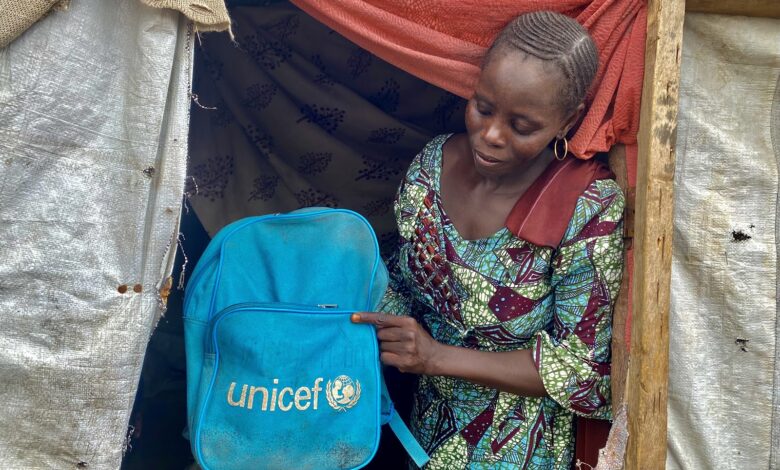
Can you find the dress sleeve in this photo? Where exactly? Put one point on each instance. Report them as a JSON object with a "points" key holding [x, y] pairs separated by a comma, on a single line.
{"points": [[397, 299], [573, 356]]}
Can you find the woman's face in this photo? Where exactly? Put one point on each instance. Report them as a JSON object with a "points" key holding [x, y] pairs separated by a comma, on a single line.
{"points": [[515, 112]]}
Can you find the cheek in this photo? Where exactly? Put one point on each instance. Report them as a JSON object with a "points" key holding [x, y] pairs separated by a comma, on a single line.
{"points": [[527, 148]]}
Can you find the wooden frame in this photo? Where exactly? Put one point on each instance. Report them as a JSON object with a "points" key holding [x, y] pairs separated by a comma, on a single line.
{"points": [[617, 163], [641, 380], [649, 360]]}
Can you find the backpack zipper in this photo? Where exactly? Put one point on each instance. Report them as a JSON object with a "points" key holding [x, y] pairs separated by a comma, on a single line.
{"points": [[268, 307]]}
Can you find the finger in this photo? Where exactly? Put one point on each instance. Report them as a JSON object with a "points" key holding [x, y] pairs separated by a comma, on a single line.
{"points": [[374, 318], [390, 359], [393, 347], [392, 333]]}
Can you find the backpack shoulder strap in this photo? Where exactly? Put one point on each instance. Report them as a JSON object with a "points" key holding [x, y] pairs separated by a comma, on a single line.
{"points": [[413, 448], [401, 431]]}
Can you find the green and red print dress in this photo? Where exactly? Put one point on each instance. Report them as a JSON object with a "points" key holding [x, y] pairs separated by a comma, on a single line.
{"points": [[504, 293]]}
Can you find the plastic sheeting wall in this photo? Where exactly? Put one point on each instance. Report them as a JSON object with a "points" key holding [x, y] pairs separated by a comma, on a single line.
{"points": [[93, 130], [723, 404]]}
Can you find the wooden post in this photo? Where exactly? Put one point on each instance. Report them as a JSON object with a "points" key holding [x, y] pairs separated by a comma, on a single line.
{"points": [[617, 163], [646, 392]]}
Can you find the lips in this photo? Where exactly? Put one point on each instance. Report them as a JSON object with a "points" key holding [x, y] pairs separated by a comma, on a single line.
{"points": [[485, 159]]}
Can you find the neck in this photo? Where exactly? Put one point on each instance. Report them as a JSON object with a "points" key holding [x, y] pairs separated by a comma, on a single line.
{"points": [[517, 181]]}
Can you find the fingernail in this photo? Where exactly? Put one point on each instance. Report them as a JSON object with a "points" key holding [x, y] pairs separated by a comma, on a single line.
{"points": [[355, 317]]}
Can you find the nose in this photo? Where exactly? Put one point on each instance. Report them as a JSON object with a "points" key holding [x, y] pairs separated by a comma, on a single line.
{"points": [[492, 134]]}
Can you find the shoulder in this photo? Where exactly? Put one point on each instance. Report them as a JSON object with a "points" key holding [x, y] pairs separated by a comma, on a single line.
{"points": [[427, 160], [603, 197], [609, 191], [601, 205], [434, 145], [565, 197]]}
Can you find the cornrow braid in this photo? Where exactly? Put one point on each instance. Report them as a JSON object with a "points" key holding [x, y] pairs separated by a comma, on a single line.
{"points": [[554, 37]]}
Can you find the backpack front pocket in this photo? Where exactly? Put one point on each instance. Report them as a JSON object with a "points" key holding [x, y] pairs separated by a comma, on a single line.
{"points": [[291, 387]]}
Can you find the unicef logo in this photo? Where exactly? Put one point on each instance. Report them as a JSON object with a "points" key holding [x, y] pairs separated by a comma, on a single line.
{"points": [[342, 393]]}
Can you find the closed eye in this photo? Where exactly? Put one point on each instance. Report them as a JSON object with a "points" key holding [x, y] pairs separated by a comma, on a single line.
{"points": [[481, 106], [523, 128], [522, 131]]}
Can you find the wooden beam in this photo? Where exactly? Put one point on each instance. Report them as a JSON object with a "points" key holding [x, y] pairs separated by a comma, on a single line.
{"points": [[617, 163], [646, 393], [765, 8], [620, 352]]}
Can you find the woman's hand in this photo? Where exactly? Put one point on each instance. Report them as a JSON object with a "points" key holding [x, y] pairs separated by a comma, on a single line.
{"points": [[404, 344]]}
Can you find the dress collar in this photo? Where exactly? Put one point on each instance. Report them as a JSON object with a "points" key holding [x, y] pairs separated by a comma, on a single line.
{"points": [[542, 214]]}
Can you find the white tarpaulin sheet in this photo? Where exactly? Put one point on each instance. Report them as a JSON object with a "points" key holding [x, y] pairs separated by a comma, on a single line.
{"points": [[93, 129], [723, 328]]}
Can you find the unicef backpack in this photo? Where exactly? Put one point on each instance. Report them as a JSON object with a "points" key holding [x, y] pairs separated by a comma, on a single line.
{"points": [[278, 377]]}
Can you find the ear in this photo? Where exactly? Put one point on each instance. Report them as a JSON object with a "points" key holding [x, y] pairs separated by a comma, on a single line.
{"points": [[571, 120]]}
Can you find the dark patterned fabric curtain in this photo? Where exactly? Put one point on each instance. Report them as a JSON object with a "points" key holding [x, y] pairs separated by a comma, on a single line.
{"points": [[293, 115]]}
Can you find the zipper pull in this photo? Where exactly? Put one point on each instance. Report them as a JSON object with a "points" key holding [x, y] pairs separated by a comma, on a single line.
{"points": [[328, 305]]}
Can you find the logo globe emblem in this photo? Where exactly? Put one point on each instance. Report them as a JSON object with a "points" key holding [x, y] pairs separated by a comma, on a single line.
{"points": [[342, 392]]}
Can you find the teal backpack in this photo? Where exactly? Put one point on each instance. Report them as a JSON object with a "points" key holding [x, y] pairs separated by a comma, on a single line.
{"points": [[278, 377]]}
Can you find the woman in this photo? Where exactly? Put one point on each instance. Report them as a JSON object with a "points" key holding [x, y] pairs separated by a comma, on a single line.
{"points": [[509, 262]]}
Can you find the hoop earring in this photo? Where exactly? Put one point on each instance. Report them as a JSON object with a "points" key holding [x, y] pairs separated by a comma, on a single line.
{"points": [[565, 149]]}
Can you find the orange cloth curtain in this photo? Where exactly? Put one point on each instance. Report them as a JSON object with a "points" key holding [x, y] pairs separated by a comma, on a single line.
{"points": [[443, 41]]}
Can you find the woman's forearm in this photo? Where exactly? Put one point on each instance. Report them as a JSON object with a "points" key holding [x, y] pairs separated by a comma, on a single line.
{"points": [[406, 345], [511, 371]]}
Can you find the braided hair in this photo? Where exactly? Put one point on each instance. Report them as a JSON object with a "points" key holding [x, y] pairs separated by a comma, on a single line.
{"points": [[556, 38]]}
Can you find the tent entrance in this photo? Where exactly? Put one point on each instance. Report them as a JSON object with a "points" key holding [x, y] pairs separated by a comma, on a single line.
{"points": [[290, 115]]}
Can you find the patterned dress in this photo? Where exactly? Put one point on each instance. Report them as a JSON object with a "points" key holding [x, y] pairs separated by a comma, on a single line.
{"points": [[502, 293]]}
